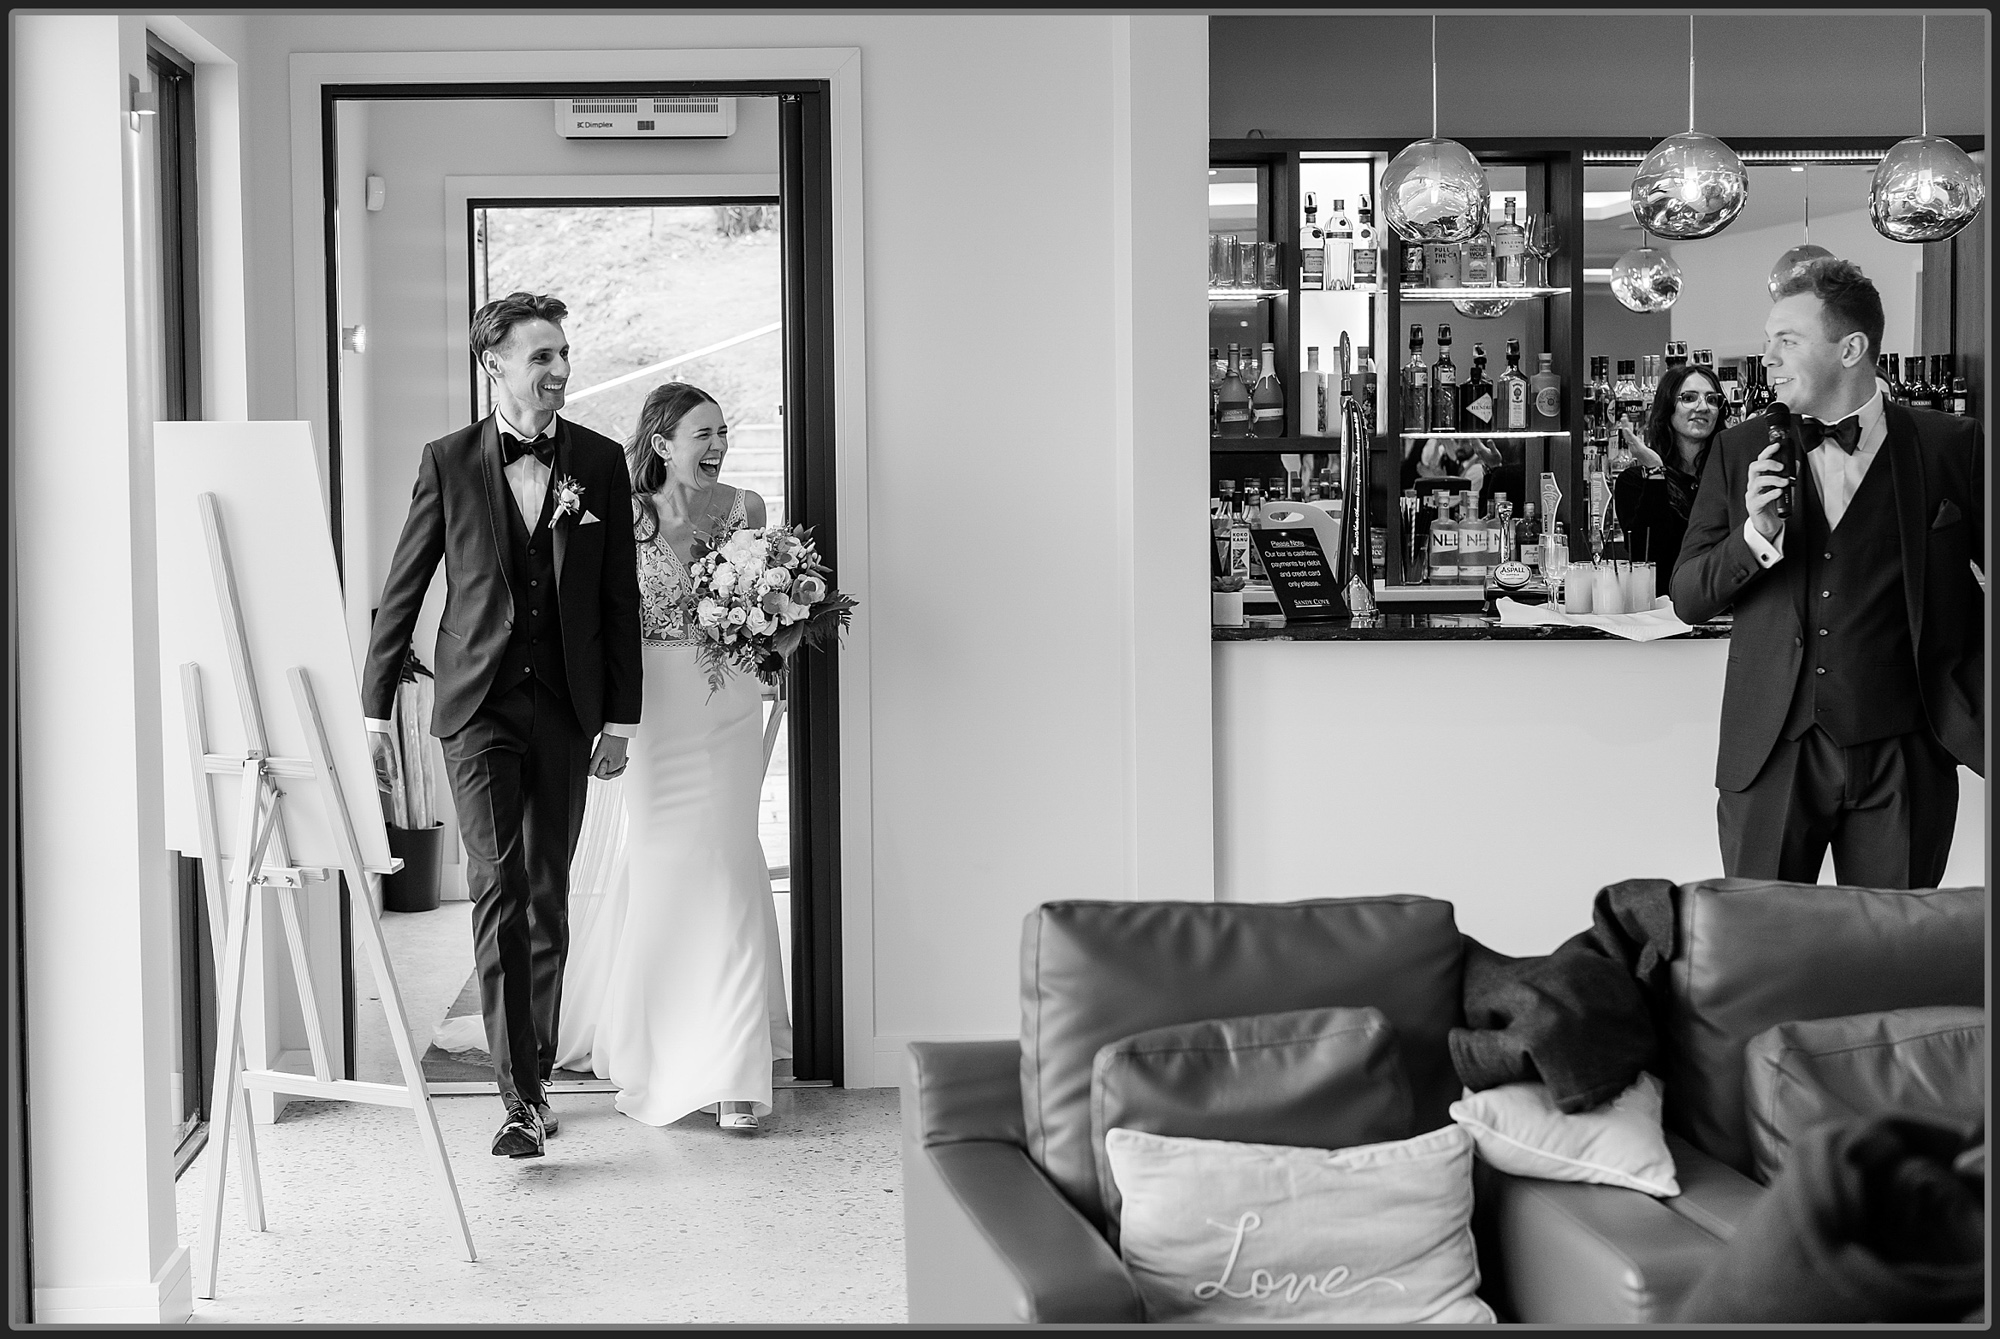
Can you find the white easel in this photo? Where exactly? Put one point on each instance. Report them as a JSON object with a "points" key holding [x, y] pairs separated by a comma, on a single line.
{"points": [[260, 831]]}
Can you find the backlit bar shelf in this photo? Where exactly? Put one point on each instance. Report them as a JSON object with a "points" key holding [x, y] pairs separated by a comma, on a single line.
{"points": [[1477, 294], [1243, 294], [1485, 436]]}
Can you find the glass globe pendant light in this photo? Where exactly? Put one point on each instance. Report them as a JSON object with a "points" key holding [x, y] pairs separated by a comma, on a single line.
{"points": [[1646, 279], [1925, 188], [1691, 185], [1434, 190], [1796, 259]]}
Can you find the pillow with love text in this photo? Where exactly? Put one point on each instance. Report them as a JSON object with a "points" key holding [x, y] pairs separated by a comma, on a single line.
{"points": [[1220, 1232]]}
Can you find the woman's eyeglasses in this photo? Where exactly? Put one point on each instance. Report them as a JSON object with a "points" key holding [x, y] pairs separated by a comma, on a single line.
{"points": [[1693, 398]]}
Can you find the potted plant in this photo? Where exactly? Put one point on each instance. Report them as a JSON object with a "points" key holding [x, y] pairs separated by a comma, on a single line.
{"points": [[1226, 601], [410, 805]]}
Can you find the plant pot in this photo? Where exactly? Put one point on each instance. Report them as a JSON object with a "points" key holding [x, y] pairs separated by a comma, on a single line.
{"points": [[415, 887], [1226, 608]]}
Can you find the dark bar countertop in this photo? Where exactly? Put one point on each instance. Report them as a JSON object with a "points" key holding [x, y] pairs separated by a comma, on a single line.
{"points": [[1430, 627]]}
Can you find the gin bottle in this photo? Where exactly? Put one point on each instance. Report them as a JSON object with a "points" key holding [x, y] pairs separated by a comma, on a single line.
{"points": [[1340, 248], [1444, 386], [1510, 251], [1416, 385]]}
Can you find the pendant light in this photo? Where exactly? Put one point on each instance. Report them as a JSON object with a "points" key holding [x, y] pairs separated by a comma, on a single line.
{"points": [[1925, 188], [1691, 185], [1646, 279], [1797, 258], [1435, 190]]}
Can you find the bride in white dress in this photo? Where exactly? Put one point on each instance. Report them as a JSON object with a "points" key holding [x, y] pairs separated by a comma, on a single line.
{"points": [[673, 989]]}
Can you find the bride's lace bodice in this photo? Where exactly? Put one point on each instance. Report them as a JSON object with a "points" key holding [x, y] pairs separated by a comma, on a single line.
{"points": [[663, 584]]}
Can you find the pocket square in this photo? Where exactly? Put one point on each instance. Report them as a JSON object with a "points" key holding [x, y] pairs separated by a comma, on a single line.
{"points": [[1948, 514], [588, 518]]}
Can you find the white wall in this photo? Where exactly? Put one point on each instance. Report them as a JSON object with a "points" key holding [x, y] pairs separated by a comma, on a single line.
{"points": [[1021, 175]]}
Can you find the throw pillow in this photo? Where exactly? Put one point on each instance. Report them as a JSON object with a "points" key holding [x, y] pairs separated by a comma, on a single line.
{"points": [[1519, 1130], [1318, 1078], [1220, 1232], [1928, 1062]]}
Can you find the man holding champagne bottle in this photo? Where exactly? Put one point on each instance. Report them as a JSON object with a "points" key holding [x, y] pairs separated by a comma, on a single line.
{"points": [[1856, 677]]}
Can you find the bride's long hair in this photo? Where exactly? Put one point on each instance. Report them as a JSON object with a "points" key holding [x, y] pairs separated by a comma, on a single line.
{"points": [[668, 404]]}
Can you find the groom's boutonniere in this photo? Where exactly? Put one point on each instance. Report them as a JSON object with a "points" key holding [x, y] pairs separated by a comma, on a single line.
{"points": [[569, 498]]}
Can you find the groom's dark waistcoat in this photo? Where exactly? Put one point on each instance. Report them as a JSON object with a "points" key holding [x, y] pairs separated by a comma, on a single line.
{"points": [[535, 645]]}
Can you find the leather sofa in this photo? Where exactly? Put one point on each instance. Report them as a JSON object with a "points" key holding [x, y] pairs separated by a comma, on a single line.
{"points": [[1002, 1223]]}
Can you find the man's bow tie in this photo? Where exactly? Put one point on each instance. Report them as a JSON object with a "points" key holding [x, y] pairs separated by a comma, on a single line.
{"points": [[1845, 434], [512, 448]]}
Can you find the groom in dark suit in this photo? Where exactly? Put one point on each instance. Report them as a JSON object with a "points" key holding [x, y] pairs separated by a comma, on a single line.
{"points": [[537, 656], [1856, 680]]}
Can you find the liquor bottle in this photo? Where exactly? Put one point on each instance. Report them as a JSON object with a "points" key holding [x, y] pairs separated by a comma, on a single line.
{"points": [[1441, 559], [1593, 407], [1503, 516], [1476, 260], [1217, 370], [1367, 255], [1267, 401], [1475, 399], [1312, 248], [1625, 392], [1441, 264], [1941, 382], [1961, 398], [1253, 519], [1313, 415], [1340, 248], [1513, 396], [1705, 358], [1732, 392], [1472, 562], [1545, 391], [1221, 512], [1232, 400], [1444, 386], [1600, 378], [1528, 539], [1916, 393], [1510, 251], [1415, 270], [1416, 385]]}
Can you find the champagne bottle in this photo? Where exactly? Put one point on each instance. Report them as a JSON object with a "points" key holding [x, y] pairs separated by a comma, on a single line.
{"points": [[1267, 401]]}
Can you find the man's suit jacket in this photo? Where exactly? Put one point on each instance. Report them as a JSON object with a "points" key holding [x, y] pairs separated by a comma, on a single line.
{"points": [[456, 514], [1937, 463]]}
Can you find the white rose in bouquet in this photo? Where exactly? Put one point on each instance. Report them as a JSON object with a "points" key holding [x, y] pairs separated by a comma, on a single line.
{"points": [[708, 613], [773, 578], [723, 579], [736, 618], [757, 621], [809, 589]]}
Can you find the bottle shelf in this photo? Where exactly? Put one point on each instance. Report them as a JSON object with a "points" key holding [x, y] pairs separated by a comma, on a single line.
{"points": [[1477, 294], [1244, 294], [1486, 436], [1273, 445], [1358, 291]]}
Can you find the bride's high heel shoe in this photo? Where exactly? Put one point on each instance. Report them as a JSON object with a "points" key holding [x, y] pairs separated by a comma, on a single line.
{"points": [[736, 1116]]}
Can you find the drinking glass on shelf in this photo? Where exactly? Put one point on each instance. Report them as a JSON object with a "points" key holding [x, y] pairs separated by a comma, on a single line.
{"points": [[1246, 264], [1220, 272], [1232, 263], [1540, 244], [1268, 275]]}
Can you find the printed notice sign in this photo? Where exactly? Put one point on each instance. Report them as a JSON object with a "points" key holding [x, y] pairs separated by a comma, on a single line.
{"points": [[1301, 578]]}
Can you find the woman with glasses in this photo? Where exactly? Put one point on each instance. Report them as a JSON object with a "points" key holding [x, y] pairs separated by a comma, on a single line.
{"points": [[1655, 494]]}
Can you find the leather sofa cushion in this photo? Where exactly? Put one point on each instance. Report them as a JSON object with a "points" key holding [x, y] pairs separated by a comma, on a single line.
{"points": [[1923, 1062], [1312, 1078], [1754, 953], [1093, 972]]}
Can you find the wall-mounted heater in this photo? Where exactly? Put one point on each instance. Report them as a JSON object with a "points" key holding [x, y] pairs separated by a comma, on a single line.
{"points": [[677, 117]]}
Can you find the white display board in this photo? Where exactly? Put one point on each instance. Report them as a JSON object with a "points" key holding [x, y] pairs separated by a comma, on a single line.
{"points": [[266, 485]]}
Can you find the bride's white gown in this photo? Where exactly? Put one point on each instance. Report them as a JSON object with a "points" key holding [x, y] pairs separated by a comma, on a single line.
{"points": [[673, 989]]}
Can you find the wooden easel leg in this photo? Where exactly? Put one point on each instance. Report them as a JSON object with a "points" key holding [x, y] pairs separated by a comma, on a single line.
{"points": [[295, 941], [228, 1104], [370, 928]]}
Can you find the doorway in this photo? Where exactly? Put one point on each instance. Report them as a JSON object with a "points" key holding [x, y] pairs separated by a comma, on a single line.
{"points": [[732, 291]]}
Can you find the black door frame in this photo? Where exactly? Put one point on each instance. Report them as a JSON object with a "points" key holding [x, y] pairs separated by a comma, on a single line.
{"points": [[806, 212]]}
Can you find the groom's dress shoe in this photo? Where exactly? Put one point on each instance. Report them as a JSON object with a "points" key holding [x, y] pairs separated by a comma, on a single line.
{"points": [[520, 1135], [550, 1125]]}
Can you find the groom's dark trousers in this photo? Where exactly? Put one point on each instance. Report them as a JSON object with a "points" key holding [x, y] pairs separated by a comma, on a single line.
{"points": [[538, 646]]}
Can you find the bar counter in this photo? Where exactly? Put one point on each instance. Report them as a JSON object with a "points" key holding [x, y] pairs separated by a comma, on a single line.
{"points": [[1436, 627]]}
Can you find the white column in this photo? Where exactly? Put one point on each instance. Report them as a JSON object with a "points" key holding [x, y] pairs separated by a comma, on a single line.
{"points": [[1159, 178], [97, 902]]}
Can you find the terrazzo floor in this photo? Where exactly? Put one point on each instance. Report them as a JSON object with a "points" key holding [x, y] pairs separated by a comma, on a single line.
{"points": [[620, 1223]]}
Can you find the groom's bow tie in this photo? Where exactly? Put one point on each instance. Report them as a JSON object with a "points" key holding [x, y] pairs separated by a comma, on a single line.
{"points": [[512, 448], [1845, 434]]}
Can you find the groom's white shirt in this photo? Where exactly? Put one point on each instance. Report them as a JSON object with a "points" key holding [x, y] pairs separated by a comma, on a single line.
{"points": [[528, 480]]}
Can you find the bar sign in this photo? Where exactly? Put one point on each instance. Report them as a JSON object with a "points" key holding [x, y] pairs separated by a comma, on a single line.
{"points": [[1300, 576]]}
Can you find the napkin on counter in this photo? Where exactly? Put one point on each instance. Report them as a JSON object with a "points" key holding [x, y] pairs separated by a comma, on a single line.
{"points": [[1655, 623]]}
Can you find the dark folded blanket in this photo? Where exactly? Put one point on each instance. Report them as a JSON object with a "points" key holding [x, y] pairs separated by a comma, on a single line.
{"points": [[1577, 1019], [1868, 1222]]}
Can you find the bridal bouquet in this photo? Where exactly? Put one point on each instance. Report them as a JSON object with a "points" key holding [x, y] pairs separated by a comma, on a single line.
{"points": [[758, 598]]}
